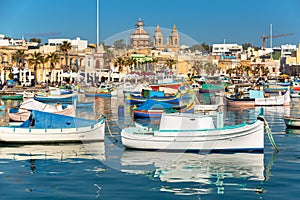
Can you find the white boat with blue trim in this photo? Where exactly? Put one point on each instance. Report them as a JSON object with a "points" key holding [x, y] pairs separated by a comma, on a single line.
{"points": [[45, 127], [190, 132]]}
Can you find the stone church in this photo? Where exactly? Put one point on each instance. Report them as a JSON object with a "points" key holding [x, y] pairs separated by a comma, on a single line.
{"points": [[140, 39]]}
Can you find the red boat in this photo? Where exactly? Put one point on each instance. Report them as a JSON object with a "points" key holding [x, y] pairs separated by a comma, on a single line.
{"points": [[173, 85]]}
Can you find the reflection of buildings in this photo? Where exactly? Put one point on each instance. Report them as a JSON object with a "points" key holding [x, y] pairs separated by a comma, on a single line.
{"points": [[216, 170]]}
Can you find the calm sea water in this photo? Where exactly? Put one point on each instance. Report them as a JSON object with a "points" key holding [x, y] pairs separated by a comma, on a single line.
{"points": [[107, 171]]}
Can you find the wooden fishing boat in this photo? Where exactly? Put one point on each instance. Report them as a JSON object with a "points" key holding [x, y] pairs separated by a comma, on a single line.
{"points": [[278, 100], [295, 94], [138, 99], [174, 85], [234, 101], [12, 97], [209, 88], [259, 99], [53, 128], [102, 91], [56, 98], [22, 113], [189, 132], [28, 95], [154, 109], [137, 90], [292, 122]]}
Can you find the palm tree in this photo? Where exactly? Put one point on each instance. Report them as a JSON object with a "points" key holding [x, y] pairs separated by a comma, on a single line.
{"points": [[19, 57], [54, 59], [210, 68], [35, 59], [44, 59], [119, 62], [247, 69], [108, 56], [65, 47], [154, 61], [170, 62], [230, 71]]}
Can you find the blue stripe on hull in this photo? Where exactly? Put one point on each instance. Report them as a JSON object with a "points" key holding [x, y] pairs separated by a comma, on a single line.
{"points": [[248, 150]]}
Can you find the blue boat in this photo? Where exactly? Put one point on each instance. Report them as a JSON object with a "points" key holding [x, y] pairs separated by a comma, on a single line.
{"points": [[103, 94], [154, 109], [138, 99]]}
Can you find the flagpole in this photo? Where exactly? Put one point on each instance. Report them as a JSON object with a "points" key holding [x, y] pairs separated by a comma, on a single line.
{"points": [[97, 21]]}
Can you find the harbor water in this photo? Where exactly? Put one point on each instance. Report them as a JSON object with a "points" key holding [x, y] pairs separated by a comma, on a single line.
{"points": [[108, 171]]}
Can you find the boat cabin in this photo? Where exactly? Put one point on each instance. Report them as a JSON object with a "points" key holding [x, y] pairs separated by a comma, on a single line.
{"points": [[185, 121]]}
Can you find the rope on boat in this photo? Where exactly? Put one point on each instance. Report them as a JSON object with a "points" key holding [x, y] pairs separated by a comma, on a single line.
{"points": [[268, 130], [108, 128]]}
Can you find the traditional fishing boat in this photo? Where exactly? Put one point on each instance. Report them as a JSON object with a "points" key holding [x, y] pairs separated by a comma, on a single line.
{"points": [[139, 99], [56, 98], [154, 109], [189, 132], [28, 95], [12, 97], [209, 88], [259, 98], [44, 127], [103, 90], [235, 101], [295, 94], [278, 100], [292, 122], [137, 90], [174, 85], [22, 113]]}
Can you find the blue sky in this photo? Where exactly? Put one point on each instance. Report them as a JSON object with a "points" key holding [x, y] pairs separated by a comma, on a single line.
{"points": [[206, 21]]}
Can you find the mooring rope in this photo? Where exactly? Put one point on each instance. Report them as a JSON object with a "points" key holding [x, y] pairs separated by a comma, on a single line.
{"points": [[269, 133], [108, 128]]}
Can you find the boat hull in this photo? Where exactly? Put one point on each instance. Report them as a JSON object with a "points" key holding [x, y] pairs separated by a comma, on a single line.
{"points": [[175, 85], [12, 97], [283, 100], [239, 101], [98, 94], [292, 122], [132, 99], [53, 135], [57, 98], [245, 138]]}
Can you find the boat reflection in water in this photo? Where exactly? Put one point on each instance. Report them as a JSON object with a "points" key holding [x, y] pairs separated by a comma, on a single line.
{"points": [[213, 172], [93, 150]]}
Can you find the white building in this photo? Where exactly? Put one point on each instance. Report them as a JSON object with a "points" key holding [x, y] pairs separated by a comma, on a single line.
{"points": [[3, 42], [227, 49], [77, 44], [287, 49]]}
